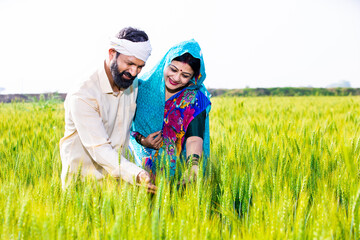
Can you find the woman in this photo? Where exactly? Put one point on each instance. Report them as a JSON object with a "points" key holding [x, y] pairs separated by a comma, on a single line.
{"points": [[172, 115]]}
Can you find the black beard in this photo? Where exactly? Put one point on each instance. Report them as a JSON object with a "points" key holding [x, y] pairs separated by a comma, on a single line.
{"points": [[119, 81]]}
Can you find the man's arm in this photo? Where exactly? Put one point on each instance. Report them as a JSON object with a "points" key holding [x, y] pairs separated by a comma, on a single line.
{"points": [[95, 139]]}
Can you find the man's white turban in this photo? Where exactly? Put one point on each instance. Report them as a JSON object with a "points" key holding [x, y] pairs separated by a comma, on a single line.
{"points": [[140, 50]]}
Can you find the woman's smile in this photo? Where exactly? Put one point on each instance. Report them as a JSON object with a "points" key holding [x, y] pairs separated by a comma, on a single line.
{"points": [[172, 82]]}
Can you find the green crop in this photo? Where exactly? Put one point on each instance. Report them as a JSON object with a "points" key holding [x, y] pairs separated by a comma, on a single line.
{"points": [[280, 168]]}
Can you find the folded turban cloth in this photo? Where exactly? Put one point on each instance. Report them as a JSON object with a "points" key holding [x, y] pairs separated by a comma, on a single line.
{"points": [[140, 50]]}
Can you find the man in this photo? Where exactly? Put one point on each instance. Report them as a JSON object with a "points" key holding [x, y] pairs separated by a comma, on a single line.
{"points": [[98, 114]]}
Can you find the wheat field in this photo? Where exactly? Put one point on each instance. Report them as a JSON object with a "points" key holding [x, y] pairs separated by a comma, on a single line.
{"points": [[280, 168]]}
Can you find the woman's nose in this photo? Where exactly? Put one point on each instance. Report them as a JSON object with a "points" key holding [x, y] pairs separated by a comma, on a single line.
{"points": [[176, 76]]}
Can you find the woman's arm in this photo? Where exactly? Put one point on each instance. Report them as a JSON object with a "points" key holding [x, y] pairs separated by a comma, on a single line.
{"points": [[194, 135], [194, 148], [193, 153], [194, 143]]}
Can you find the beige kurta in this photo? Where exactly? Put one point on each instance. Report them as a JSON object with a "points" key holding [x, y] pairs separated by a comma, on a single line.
{"points": [[97, 127]]}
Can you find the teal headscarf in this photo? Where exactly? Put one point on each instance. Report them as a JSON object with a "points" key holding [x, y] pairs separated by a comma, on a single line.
{"points": [[151, 93]]}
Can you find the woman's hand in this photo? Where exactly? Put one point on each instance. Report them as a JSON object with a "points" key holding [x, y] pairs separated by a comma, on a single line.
{"points": [[193, 151], [190, 175], [153, 140], [194, 170]]}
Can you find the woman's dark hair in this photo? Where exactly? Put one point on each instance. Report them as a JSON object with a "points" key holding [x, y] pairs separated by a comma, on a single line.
{"points": [[193, 62], [132, 34]]}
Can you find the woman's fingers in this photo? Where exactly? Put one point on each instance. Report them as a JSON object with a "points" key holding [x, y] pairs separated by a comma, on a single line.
{"points": [[158, 144], [152, 135], [155, 139], [158, 136], [158, 141]]}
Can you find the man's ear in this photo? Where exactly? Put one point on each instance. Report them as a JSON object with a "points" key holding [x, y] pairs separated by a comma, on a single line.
{"points": [[112, 54]]}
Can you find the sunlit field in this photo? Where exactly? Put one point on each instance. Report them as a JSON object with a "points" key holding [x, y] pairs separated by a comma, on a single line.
{"points": [[280, 168]]}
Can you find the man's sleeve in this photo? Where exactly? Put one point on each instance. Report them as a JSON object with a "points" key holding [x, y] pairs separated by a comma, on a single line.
{"points": [[92, 133]]}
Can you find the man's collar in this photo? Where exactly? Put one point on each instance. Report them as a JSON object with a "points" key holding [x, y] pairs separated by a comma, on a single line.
{"points": [[104, 81]]}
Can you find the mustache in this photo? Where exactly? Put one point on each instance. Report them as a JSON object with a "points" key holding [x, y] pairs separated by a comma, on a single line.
{"points": [[127, 74]]}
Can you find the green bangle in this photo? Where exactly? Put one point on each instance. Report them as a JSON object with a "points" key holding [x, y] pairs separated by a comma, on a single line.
{"points": [[193, 159]]}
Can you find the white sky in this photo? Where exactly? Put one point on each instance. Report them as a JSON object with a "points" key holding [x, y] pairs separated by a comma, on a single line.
{"points": [[48, 45]]}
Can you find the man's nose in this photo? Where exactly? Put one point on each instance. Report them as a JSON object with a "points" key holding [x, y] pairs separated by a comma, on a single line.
{"points": [[133, 71]]}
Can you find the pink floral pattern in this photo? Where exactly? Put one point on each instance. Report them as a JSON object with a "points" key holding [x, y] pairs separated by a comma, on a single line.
{"points": [[179, 112]]}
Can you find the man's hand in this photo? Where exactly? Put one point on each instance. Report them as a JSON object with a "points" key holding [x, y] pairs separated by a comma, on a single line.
{"points": [[153, 140], [143, 179]]}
